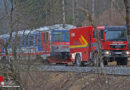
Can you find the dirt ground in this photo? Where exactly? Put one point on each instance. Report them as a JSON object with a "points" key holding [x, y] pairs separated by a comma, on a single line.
{"points": [[73, 81]]}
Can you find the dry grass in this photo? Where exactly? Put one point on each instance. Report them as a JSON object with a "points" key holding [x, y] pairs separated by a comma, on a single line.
{"points": [[73, 81]]}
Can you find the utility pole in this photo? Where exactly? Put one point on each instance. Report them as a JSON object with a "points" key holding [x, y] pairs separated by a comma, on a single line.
{"points": [[127, 6], [63, 12]]}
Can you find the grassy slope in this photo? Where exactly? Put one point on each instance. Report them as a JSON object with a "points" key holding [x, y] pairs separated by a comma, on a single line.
{"points": [[72, 81]]}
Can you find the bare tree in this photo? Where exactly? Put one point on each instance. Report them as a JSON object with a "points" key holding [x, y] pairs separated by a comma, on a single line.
{"points": [[63, 12], [12, 22], [127, 6], [99, 50]]}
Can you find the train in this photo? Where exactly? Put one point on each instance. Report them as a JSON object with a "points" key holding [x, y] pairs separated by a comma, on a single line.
{"points": [[41, 42]]}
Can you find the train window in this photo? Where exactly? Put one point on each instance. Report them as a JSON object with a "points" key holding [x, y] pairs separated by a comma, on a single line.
{"points": [[58, 36], [13, 41], [101, 34], [1, 43], [46, 36], [31, 41], [67, 36], [37, 40], [19, 41], [94, 34], [26, 41]]}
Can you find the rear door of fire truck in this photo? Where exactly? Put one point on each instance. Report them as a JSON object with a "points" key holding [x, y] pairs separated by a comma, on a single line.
{"points": [[80, 44]]}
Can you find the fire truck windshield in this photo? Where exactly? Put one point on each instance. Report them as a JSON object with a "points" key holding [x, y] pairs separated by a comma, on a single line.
{"points": [[60, 36], [116, 35]]}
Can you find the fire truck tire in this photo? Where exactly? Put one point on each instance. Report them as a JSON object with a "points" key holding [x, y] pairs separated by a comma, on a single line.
{"points": [[122, 61], [118, 62], [105, 61], [78, 60]]}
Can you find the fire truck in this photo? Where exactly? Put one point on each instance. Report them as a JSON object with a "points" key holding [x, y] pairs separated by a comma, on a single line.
{"points": [[114, 45]]}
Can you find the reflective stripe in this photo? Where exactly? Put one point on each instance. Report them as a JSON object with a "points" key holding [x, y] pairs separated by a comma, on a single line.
{"points": [[83, 42]]}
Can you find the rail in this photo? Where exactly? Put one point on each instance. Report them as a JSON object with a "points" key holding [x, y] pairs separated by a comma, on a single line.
{"points": [[112, 70]]}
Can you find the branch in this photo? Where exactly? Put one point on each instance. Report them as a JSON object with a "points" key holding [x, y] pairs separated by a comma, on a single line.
{"points": [[125, 2], [6, 8], [88, 15], [97, 36]]}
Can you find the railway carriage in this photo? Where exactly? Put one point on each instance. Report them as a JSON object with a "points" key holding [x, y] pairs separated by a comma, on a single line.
{"points": [[50, 41]]}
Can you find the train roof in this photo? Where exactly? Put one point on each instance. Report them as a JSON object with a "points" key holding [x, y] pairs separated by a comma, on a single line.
{"points": [[56, 27], [4, 35], [41, 29]]}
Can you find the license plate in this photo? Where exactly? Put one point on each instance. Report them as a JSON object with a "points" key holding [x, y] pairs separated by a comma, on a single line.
{"points": [[118, 52]]}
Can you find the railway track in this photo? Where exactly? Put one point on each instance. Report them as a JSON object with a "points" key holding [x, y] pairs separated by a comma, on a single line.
{"points": [[110, 70]]}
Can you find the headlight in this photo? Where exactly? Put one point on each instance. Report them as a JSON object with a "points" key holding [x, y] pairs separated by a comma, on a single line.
{"points": [[107, 52], [2, 83], [73, 56], [127, 52]]}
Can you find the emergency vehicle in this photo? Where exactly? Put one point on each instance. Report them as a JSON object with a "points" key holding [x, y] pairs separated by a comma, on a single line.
{"points": [[114, 45], [77, 45]]}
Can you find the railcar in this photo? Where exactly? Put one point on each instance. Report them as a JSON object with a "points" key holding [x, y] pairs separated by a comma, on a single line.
{"points": [[42, 42]]}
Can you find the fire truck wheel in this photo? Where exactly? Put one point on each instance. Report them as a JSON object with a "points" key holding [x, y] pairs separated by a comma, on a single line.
{"points": [[125, 61], [105, 61], [78, 60], [122, 61], [96, 59], [119, 62]]}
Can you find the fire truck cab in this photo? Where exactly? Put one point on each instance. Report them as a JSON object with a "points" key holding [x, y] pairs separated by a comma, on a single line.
{"points": [[115, 45]]}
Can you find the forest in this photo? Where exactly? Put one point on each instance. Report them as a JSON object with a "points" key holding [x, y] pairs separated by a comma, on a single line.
{"points": [[34, 14], [65, 44]]}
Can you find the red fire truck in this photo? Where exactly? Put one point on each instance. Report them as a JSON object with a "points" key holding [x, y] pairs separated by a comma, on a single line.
{"points": [[83, 46]]}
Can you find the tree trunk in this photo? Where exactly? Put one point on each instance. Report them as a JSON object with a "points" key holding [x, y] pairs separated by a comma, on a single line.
{"points": [[63, 12], [127, 6]]}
